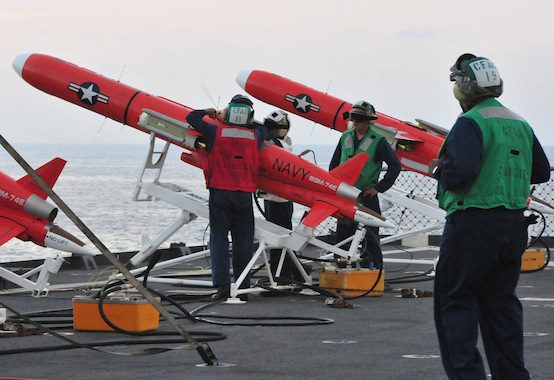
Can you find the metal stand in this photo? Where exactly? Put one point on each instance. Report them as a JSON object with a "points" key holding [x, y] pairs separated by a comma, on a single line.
{"points": [[149, 164], [267, 234], [39, 288]]}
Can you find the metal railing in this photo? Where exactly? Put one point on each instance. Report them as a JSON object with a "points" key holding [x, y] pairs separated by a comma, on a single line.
{"points": [[426, 187]]}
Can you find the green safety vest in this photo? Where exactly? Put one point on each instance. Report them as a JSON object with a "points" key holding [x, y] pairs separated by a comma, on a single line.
{"points": [[505, 175], [370, 173]]}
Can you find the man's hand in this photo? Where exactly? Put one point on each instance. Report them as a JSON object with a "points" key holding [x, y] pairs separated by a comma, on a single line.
{"points": [[211, 112], [371, 192], [434, 165]]}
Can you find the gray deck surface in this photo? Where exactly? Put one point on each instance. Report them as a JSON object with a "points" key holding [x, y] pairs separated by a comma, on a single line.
{"points": [[385, 337]]}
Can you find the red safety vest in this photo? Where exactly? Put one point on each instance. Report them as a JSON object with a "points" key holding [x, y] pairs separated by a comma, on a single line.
{"points": [[233, 161]]}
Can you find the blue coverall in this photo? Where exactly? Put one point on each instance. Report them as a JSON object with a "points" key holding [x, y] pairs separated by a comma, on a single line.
{"points": [[384, 153], [230, 211], [478, 269]]}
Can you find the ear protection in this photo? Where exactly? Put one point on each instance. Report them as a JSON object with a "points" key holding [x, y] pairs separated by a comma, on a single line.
{"points": [[238, 114]]}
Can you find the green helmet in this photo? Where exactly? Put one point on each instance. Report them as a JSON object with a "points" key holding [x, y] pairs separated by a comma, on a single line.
{"points": [[242, 99], [364, 109], [476, 77], [239, 111]]}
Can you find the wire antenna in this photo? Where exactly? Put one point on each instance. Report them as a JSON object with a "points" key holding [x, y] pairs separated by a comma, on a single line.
{"points": [[209, 95], [328, 86], [118, 80], [326, 92], [121, 74]]}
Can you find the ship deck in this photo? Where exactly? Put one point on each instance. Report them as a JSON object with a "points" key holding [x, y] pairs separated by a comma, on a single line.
{"points": [[387, 337]]}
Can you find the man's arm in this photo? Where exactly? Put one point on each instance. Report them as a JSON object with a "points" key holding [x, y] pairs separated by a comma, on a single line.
{"points": [[207, 130], [462, 155], [262, 134], [335, 161], [540, 171], [385, 153]]}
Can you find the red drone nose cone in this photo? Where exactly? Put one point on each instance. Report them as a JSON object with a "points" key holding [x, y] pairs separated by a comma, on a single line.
{"points": [[242, 78], [19, 62]]}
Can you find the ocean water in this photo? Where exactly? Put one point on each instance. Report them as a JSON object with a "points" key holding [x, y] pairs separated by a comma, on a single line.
{"points": [[98, 183]]}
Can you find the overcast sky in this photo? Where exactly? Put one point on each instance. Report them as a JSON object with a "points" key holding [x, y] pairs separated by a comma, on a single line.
{"points": [[394, 53]]}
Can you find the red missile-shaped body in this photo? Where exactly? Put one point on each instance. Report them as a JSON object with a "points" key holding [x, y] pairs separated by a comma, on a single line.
{"points": [[414, 145], [26, 215], [281, 172], [92, 91], [17, 198], [327, 194]]}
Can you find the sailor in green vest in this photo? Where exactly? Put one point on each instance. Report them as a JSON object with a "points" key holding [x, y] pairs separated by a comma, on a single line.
{"points": [[364, 138], [484, 170]]}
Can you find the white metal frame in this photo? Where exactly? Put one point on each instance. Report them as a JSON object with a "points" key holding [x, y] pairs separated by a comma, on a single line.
{"points": [[268, 234], [38, 288]]}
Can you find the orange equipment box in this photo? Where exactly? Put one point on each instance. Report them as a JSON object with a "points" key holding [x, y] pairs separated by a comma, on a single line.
{"points": [[352, 282], [134, 314], [533, 259]]}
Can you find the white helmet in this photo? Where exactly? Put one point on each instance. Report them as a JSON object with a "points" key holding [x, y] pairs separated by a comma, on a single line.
{"points": [[277, 120]]}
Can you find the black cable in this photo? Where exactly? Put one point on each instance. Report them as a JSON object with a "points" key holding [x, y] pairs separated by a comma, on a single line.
{"points": [[92, 345], [411, 281], [534, 240], [117, 285], [531, 221], [74, 344], [412, 278], [44, 312], [203, 349], [320, 290], [105, 318], [314, 259], [310, 321], [362, 248], [287, 281], [370, 289], [407, 264], [154, 259], [306, 152], [256, 197]]}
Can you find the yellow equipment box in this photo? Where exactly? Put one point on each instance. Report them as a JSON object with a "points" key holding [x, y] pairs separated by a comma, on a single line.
{"points": [[352, 282], [533, 259], [132, 314]]}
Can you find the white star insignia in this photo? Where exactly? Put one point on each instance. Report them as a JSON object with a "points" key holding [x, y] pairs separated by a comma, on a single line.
{"points": [[88, 93], [302, 103]]}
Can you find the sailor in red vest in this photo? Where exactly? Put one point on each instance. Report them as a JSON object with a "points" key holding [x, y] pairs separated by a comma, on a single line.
{"points": [[231, 175]]}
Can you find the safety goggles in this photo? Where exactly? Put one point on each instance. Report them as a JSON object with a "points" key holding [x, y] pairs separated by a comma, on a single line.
{"points": [[456, 70], [356, 117], [455, 74]]}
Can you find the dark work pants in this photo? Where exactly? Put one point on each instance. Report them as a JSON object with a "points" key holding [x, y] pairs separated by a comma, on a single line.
{"points": [[372, 245], [476, 278], [280, 213], [230, 211]]}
